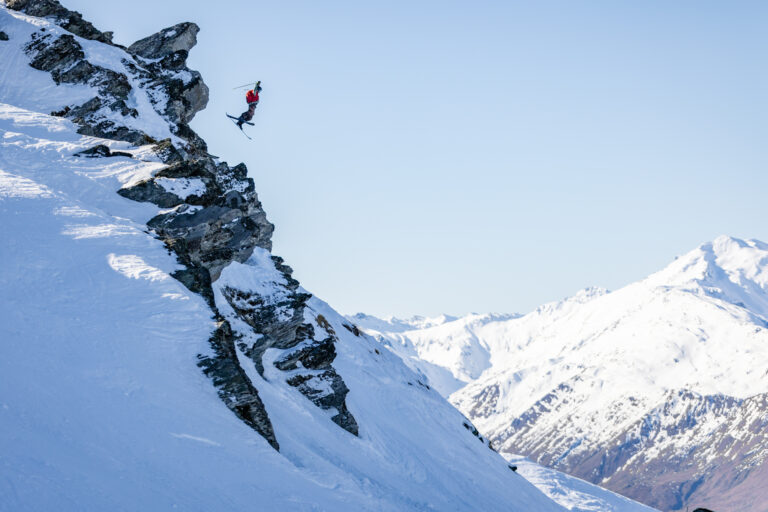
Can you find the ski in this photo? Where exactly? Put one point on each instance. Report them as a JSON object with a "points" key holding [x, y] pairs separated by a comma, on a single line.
{"points": [[234, 120], [237, 119]]}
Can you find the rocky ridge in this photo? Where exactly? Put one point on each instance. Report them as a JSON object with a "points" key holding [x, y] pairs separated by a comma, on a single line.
{"points": [[212, 216], [690, 448]]}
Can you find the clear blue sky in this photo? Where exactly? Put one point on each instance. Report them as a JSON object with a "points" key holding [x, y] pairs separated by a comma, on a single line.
{"points": [[438, 156]]}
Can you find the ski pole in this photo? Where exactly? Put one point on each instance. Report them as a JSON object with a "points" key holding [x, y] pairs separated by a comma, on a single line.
{"points": [[241, 86]]}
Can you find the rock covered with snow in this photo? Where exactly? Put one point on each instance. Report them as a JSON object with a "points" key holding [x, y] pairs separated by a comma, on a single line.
{"points": [[70, 20], [164, 85]]}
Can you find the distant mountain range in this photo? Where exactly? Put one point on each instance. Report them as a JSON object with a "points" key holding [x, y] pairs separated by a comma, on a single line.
{"points": [[657, 391]]}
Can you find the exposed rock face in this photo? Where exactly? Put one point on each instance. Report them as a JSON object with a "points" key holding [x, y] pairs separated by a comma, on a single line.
{"points": [[70, 20], [235, 388], [177, 93], [3, 36], [306, 351], [229, 225], [725, 472], [169, 49], [102, 151], [692, 450], [65, 59], [181, 37], [213, 220]]}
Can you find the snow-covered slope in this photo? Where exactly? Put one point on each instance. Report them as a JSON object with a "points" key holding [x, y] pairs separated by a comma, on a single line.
{"points": [[446, 350], [154, 358], [394, 324], [572, 493], [630, 389]]}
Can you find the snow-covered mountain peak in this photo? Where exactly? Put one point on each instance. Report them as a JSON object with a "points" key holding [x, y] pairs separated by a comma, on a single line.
{"points": [[728, 269], [740, 261], [584, 383]]}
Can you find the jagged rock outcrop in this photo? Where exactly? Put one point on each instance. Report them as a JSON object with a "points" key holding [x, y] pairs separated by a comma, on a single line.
{"points": [[174, 91], [166, 52], [69, 20], [3, 36], [234, 387], [307, 351], [221, 219], [181, 37], [212, 218]]}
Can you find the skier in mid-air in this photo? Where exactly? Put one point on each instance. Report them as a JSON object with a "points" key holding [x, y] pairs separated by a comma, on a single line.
{"points": [[252, 98]]}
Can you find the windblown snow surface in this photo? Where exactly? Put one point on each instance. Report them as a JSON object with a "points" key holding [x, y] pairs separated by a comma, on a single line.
{"points": [[102, 404], [654, 389]]}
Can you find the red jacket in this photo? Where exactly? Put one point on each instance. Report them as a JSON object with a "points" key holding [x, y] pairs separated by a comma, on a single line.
{"points": [[252, 96]]}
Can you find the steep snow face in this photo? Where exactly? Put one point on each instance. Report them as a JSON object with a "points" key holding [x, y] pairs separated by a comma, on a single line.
{"points": [[578, 384], [572, 493], [103, 405]]}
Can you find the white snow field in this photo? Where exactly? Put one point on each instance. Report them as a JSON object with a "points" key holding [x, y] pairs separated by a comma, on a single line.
{"points": [[572, 493], [102, 405]]}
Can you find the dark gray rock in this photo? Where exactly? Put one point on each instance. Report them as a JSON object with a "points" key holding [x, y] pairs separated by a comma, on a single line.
{"points": [[61, 113], [167, 152], [308, 360], [3, 36], [317, 356], [178, 93], [315, 388], [234, 387], [215, 235], [90, 123], [203, 170], [353, 329], [64, 59], [467, 425], [58, 57], [187, 98], [181, 37], [167, 51], [267, 317], [102, 151], [69, 20], [150, 192]]}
